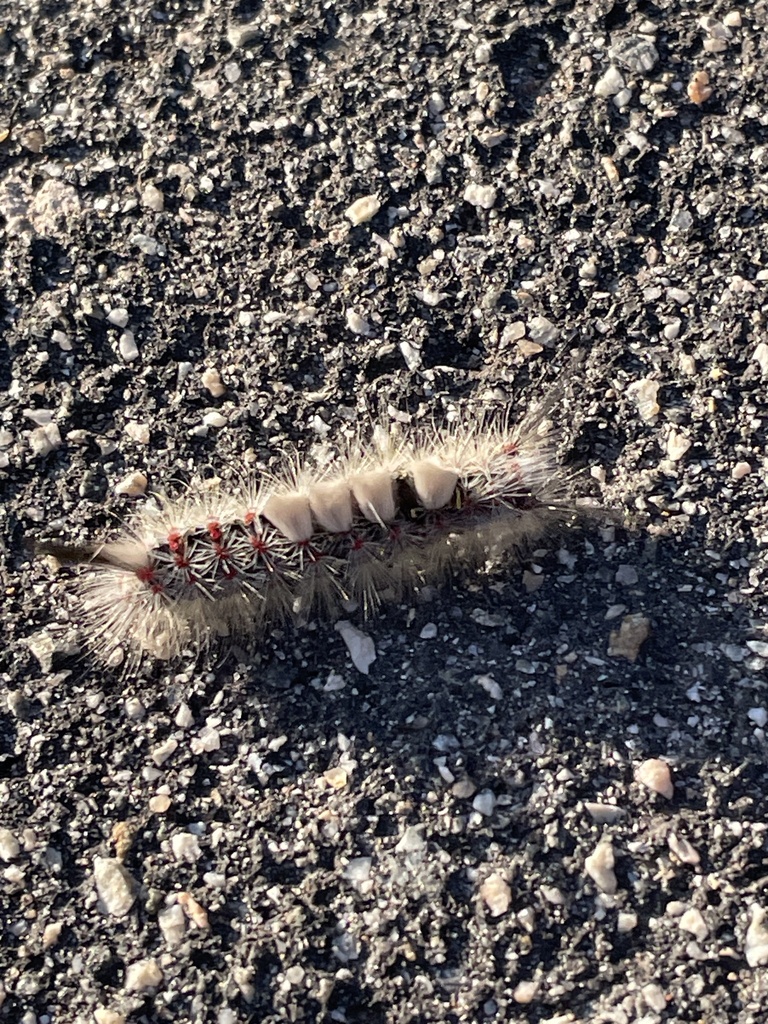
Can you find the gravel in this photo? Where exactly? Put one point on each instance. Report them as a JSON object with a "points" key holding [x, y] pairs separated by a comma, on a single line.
{"points": [[537, 794]]}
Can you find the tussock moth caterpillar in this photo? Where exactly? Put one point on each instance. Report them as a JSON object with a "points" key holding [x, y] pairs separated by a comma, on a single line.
{"points": [[382, 518]]}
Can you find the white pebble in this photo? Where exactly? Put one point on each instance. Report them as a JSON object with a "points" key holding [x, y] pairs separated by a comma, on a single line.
{"points": [[356, 323], [152, 198], [185, 847], [361, 647], [173, 925], [677, 445], [693, 921], [9, 845], [412, 840], [490, 686], [644, 394], [496, 894], [756, 944], [599, 867], [480, 196], [610, 83], [215, 419], [740, 470], [115, 886], [119, 316], [143, 976], [161, 753], [362, 210], [525, 992], [428, 632], [138, 432], [484, 803], [682, 849], [758, 715], [133, 485], [127, 347], [44, 440], [656, 776], [760, 356], [211, 379], [543, 331], [358, 869]]}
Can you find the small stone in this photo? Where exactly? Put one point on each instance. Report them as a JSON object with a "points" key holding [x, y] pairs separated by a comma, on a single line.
{"points": [[683, 850], [758, 647], [44, 440], [428, 631], [693, 921], [599, 867], [655, 775], [611, 170], [118, 317], [152, 198], [211, 380], [102, 1015], [756, 943], [740, 470], [490, 686], [161, 753], [654, 997], [194, 911], [626, 922], [677, 445], [138, 432], [644, 393], [132, 486], [115, 886], [603, 814], [173, 925], [412, 840], [159, 804], [215, 419], [732, 19], [760, 356], [143, 976], [496, 894], [699, 89], [525, 992], [185, 847], [358, 869], [127, 347], [626, 575], [463, 789], [361, 647], [337, 777], [357, 324], [543, 331], [636, 53], [759, 716], [629, 638], [363, 210], [610, 83], [52, 934], [9, 845], [482, 197], [484, 803]]}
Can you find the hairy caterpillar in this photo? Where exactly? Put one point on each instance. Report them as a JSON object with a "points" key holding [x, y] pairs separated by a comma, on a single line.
{"points": [[380, 519]]}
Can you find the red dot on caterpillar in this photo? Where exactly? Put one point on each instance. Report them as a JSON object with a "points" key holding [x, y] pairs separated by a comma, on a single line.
{"points": [[386, 516]]}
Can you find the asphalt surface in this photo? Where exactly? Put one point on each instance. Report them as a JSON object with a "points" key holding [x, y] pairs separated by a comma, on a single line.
{"points": [[571, 209]]}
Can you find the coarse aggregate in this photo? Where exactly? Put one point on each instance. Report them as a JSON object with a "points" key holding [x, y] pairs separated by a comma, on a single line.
{"points": [[231, 230]]}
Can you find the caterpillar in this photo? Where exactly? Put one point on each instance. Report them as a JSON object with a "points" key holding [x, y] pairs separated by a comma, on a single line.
{"points": [[381, 518]]}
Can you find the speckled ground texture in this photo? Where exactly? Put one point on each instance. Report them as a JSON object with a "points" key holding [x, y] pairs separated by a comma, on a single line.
{"points": [[289, 839]]}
